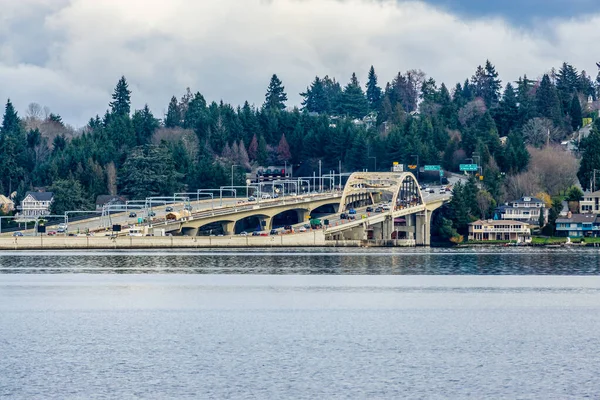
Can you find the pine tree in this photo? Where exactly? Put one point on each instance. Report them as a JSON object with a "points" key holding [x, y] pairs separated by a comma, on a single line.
{"points": [[275, 97], [315, 98], [121, 104], [547, 101], [507, 113], [262, 155], [144, 125], [283, 150], [575, 112], [373, 91], [567, 81], [354, 103], [13, 153], [173, 117], [590, 159]]}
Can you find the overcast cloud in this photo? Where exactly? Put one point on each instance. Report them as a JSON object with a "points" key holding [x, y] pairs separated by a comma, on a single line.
{"points": [[69, 54]]}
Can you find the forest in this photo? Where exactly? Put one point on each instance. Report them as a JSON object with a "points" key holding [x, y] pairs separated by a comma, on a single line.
{"points": [[513, 130]]}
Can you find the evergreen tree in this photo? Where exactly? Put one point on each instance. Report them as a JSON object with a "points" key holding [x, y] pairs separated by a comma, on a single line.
{"points": [[315, 98], [275, 97], [121, 104], [69, 194], [506, 115], [13, 152], [354, 103], [575, 112], [144, 125], [356, 157], [567, 82], [262, 155], [590, 159], [373, 91], [486, 84], [173, 117], [253, 148], [547, 101]]}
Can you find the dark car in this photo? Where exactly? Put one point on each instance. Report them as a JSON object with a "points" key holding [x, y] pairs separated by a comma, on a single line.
{"points": [[369, 209], [169, 209], [343, 216], [351, 216], [132, 215], [18, 234], [152, 214], [351, 211], [256, 233], [274, 232], [379, 209], [251, 198]]}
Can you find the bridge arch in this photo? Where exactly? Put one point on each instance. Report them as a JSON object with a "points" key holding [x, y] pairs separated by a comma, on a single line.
{"points": [[369, 188]]}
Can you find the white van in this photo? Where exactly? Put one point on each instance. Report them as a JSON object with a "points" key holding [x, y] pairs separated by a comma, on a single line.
{"points": [[265, 196], [135, 232]]}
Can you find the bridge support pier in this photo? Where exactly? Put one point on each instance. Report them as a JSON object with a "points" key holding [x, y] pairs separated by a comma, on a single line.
{"points": [[423, 228], [228, 227], [189, 231]]}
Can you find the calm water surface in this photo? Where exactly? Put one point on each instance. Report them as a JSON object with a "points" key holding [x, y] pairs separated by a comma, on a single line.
{"points": [[306, 324]]}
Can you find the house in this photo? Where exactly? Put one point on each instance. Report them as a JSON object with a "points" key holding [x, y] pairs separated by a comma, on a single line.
{"points": [[590, 203], [578, 225], [109, 200], [499, 230], [527, 209], [6, 204], [36, 204]]}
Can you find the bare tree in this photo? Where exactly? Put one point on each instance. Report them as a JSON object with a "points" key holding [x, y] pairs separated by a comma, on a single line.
{"points": [[111, 178], [555, 168], [471, 110], [34, 111], [523, 184], [484, 202], [538, 132]]}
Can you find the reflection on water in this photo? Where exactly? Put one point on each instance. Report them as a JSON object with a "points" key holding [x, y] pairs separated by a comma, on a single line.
{"points": [[490, 261]]}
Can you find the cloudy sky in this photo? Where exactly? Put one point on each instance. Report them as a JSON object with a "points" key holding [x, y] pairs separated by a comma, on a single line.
{"points": [[68, 54]]}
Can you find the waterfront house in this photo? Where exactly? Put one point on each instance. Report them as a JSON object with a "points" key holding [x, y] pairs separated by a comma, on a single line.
{"points": [[527, 209], [590, 203], [578, 225], [6, 204], [36, 204], [483, 230]]}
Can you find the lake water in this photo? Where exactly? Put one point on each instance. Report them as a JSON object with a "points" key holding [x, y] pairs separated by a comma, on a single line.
{"points": [[301, 324]]}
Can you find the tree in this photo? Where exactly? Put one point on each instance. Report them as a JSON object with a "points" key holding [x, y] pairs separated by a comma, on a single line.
{"points": [[275, 97], [262, 154], [121, 104], [575, 112], [485, 201], [354, 103], [283, 150], [373, 91], [149, 170], [539, 132], [69, 195], [144, 125], [13, 154], [554, 167], [547, 101], [253, 148], [486, 84], [315, 97], [590, 159], [573, 194], [173, 117]]}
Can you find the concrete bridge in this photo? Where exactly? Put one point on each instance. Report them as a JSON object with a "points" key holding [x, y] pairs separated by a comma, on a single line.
{"points": [[406, 217], [248, 216]]}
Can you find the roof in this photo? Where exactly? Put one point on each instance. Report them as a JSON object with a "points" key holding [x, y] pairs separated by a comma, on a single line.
{"points": [[497, 222], [41, 196], [578, 218], [528, 199], [5, 200], [109, 198]]}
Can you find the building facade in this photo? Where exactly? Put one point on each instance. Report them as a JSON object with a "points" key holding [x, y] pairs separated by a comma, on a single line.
{"points": [[590, 203], [527, 209], [578, 225], [36, 204], [483, 230]]}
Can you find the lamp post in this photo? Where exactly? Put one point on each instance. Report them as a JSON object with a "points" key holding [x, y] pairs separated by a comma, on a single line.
{"points": [[417, 156], [320, 178], [375, 166]]}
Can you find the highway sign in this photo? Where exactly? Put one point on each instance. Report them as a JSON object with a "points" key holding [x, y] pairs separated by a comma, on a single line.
{"points": [[441, 172], [432, 168], [397, 167], [413, 166], [468, 167]]}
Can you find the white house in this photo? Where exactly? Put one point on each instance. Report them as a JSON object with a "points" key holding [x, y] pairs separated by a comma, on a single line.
{"points": [[526, 209], [36, 204]]}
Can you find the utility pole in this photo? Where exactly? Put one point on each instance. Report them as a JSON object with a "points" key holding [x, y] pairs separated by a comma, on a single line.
{"points": [[340, 171], [417, 156], [320, 178], [234, 165]]}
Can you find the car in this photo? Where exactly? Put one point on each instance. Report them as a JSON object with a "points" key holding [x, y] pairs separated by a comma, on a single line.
{"points": [[62, 228], [292, 194], [274, 232], [152, 214], [169, 209], [343, 216], [275, 196], [351, 211], [442, 190], [352, 217], [251, 198], [369, 209], [256, 233], [265, 196], [307, 226], [288, 228], [188, 208], [379, 209], [386, 207], [243, 233], [51, 233], [432, 190], [132, 215], [302, 229], [264, 234], [18, 234]]}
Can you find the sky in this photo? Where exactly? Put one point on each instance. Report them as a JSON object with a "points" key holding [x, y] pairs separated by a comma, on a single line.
{"points": [[69, 54]]}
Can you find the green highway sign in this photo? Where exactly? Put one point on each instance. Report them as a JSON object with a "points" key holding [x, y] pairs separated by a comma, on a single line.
{"points": [[468, 167], [432, 168]]}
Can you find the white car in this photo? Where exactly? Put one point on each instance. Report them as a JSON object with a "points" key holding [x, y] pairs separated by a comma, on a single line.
{"points": [[442, 190], [265, 196], [302, 229], [385, 207]]}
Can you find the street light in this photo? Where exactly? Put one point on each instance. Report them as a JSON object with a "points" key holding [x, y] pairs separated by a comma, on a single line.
{"points": [[417, 156], [234, 165], [375, 167]]}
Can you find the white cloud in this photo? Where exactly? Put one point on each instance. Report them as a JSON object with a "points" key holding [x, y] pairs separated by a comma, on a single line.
{"points": [[69, 55]]}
